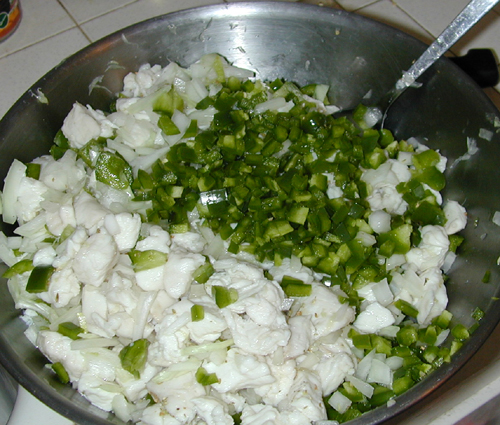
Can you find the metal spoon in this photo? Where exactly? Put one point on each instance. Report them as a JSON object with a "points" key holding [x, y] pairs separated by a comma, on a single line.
{"points": [[465, 20]]}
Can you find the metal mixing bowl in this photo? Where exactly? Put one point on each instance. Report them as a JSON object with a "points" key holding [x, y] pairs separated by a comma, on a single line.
{"points": [[304, 44]]}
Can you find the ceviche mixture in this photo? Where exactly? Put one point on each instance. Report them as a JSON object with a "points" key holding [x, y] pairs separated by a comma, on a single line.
{"points": [[216, 250]]}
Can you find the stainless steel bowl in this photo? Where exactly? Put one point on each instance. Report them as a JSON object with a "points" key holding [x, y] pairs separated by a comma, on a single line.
{"points": [[305, 44]]}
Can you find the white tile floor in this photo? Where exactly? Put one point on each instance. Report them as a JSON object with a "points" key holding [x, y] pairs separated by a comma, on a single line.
{"points": [[53, 29]]}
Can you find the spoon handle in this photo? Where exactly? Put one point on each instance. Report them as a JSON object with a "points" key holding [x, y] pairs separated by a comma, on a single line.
{"points": [[467, 18]]}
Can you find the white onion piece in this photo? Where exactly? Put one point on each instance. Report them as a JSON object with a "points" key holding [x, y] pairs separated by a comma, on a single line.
{"points": [[366, 239], [372, 116], [205, 348], [380, 221], [176, 370], [394, 362], [122, 408], [270, 105], [363, 387], [144, 304], [442, 337], [364, 366], [389, 331], [383, 293], [394, 261], [90, 343], [339, 402], [379, 373], [11, 188]]}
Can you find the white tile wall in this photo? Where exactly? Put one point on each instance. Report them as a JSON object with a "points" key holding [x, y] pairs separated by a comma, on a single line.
{"points": [[41, 20], [388, 12], [83, 11], [20, 70], [135, 12]]}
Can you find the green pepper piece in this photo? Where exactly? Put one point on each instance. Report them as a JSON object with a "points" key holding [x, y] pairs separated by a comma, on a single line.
{"points": [[425, 159], [406, 308], [203, 273], [277, 228], [381, 395], [293, 287], [427, 213], [90, 152], [39, 279], [149, 259], [400, 237], [197, 313], [429, 334], [432, 177], [113, 170], [351, 392], [33, 170], [205, 378], [362, 341], [60, 372], [61, 140], [133, 357], [168, 102], [234, 83], [443, 320], [486, 277], [402, 384], [477, 314], [20, 267], [224, 296], [204, 103], [460, 332], [381, 344], [455, 242], [407, 336], [168, 126], [298, 214], [192, 130], [225, 101], [70, 330], [237, 418], [60, 146]]}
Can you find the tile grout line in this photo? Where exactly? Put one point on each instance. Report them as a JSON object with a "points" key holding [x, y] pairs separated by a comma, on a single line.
{"points": [[432, 37], [27, 46], [76, 25], [74, 21]]}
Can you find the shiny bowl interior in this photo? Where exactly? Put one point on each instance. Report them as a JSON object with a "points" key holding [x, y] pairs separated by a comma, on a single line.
{"points": [[302, 43]]}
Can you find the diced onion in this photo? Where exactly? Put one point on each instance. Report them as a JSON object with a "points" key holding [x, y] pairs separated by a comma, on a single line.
{"points": [[270, 105], [90, 343], [205, 348], [362, 386], [339, 402], [379, 373]]}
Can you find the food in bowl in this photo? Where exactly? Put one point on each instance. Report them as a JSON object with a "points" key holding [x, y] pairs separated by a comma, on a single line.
{"points": [[219, 249]]}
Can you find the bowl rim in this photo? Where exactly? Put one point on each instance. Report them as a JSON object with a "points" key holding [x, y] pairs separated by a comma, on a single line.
{"points": [[21, 373]]}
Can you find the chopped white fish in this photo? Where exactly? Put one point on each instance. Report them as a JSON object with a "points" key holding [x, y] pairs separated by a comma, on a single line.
{"points": [[178, 273], [456, 217], [84, 124], [95, 259], [431, 251], [373, 318], [125, 228], [239, 371], [212, 411]]}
